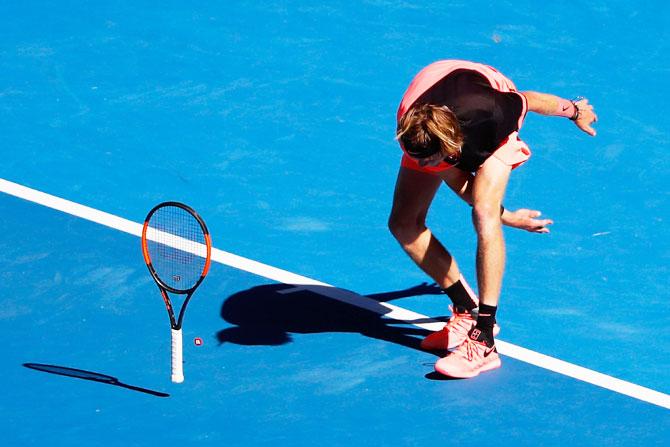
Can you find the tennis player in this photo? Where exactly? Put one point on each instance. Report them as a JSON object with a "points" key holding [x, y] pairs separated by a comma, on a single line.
{"points": [[458, 123]]}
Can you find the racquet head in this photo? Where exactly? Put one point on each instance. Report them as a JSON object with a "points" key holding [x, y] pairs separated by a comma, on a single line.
{"points": [[176, 246]]}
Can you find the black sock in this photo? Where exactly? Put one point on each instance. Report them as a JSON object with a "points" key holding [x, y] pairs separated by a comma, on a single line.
{"points": [[485, 322], [461, 296], [482, 336]]}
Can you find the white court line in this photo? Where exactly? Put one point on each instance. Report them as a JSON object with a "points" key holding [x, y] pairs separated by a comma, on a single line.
{"points": [[388, 310]]}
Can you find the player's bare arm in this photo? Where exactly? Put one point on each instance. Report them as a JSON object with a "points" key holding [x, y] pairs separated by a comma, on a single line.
{"points": [[581, 112]]}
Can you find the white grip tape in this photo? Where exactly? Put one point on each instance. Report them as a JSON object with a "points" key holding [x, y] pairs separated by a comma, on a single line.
{"points": [[177, 357]]}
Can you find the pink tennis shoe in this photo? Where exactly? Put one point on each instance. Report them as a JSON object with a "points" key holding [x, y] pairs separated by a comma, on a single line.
{"points": [[469, 359]]}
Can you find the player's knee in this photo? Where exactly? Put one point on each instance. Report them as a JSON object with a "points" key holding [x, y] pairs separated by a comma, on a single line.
{"points": [[486, 217], [405, 230]]}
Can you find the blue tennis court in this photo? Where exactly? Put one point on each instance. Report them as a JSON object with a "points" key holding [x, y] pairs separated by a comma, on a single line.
{"points": [[275, 120]]}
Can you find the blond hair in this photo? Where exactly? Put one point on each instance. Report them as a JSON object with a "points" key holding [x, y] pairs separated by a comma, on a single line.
{"points": [[427, 129]]}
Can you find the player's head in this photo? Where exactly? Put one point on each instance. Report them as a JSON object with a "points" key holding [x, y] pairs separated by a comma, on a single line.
{"points": [[432, 132]]}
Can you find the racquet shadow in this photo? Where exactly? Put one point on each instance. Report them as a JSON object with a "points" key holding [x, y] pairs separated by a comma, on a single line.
{"points": [[268, 315], [89, 375]]}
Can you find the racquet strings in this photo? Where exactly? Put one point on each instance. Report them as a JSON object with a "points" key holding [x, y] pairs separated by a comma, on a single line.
{"points": [[176, 247]]}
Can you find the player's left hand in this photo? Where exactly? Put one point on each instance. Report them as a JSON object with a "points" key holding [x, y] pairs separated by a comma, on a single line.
{"points": [[526, 219]]}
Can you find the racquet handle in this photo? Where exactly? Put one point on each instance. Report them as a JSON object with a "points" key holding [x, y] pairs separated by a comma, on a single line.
{"points": [[177, 356]]}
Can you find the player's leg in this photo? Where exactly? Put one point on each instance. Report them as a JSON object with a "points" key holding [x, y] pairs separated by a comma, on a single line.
{"points": [[413, 195], [414, 192], [477, 353], [487, 195]]}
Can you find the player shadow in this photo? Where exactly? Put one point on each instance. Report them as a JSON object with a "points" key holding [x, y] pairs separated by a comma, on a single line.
{"points": [[89, 375], [268, 315]]}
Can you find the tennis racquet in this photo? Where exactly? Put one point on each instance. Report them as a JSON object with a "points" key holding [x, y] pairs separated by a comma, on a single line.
{"points": [[177, 250]]}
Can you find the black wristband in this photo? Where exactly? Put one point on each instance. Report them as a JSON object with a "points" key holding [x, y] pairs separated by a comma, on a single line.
{"points": [[575, 116]]}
